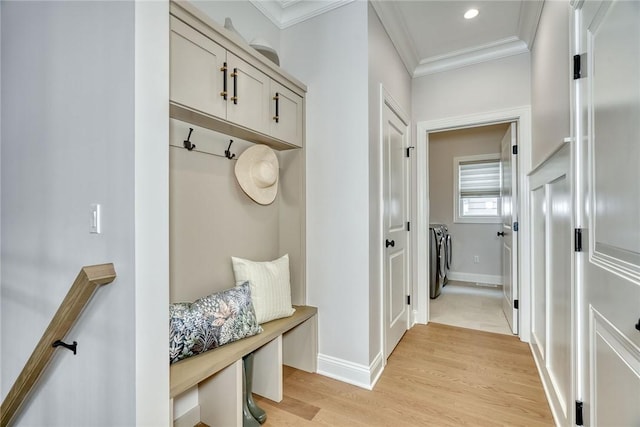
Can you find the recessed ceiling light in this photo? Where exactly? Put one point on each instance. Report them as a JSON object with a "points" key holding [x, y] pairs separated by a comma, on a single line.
{"points": [[471, 13]]}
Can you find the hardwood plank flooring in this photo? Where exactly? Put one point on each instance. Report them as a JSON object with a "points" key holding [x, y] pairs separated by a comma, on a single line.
{"points": [[439, 375]]}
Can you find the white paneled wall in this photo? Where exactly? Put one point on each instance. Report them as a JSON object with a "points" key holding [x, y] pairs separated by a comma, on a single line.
{"points": [[552, 290]]}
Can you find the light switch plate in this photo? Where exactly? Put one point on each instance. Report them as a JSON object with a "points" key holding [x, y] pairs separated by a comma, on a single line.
{"points": [[94, 225]]}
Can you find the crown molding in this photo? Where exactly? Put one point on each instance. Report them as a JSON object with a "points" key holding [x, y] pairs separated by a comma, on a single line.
{"points": [[285, 13], [461, 58], [396, 28], [530, 12]]}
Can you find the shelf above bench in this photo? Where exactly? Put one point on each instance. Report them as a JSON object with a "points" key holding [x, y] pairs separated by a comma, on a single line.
{"points": [[189, 372]]}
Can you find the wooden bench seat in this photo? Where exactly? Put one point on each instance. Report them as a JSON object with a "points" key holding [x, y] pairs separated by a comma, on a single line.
{"points": [[189, 372]]}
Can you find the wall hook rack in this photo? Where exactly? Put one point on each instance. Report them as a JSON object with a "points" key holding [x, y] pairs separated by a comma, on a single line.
{"points": [[187, 143], [227, 152], [73, 347]]}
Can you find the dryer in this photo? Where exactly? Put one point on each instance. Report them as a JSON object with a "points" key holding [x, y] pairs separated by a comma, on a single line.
{"points": [[448, 255]]}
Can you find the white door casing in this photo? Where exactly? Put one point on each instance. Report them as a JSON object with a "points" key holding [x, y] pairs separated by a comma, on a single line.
{"points": [[520, 115], [395, 164], [508, 204], [607, 106]]}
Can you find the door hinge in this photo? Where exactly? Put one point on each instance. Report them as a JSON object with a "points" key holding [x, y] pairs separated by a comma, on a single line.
{"points": [[577, 239], [515, 226], [409, 150], [577, 67], [579, 420], [514, 149], [408, 299], [408, 226], [515, 304]]}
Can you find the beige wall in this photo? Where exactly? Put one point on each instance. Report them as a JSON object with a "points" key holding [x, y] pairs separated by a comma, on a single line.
{"points": [[550, 80], [469, 240], [212, 219]]}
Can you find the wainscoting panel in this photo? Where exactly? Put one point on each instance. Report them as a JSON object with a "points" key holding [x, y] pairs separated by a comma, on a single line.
{"points": [[552, 280]]}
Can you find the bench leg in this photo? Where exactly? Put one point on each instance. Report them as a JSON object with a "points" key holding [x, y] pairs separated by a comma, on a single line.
{"points": [[257, 412]]}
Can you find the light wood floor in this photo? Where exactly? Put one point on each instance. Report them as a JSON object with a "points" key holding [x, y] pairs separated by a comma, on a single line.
{"points": [[438, 375]]}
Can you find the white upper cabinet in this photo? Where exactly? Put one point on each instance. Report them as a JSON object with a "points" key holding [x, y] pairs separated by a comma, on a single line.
{"points": [[220, 83]]}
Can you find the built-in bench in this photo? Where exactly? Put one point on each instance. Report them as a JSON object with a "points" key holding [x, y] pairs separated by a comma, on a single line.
{"points": [[217, 373]]}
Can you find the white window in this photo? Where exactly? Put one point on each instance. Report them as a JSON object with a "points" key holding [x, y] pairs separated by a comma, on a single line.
{"points": [[476, 187]]}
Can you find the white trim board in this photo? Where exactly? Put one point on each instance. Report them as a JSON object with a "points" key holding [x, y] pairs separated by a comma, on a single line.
{"points": [[521, 115], [489, 279], [352, 373]]}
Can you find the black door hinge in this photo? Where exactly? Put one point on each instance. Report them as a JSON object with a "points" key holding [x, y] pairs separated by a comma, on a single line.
{"points": [[577, 67], [515, 226], [577, 239], [515, 304], [408, 226], [408, 299], [514, 149], [409, 150], [579, 420]]}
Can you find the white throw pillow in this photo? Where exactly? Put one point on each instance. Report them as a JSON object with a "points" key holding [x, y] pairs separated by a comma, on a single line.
{"points": [[270, 286]]}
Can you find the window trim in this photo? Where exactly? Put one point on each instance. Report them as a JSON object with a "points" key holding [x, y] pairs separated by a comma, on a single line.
{"points": [[456, 191]]}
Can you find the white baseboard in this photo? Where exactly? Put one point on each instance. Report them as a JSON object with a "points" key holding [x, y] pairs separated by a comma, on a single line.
{"points": [[489, 279], [353, 373], [544, 379]]}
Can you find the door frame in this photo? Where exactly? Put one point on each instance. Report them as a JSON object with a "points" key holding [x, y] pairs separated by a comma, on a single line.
{"points": [[522, 116], [386, 98]]}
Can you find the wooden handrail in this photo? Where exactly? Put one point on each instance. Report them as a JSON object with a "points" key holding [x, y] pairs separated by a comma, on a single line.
{"points": [[88, 281]]}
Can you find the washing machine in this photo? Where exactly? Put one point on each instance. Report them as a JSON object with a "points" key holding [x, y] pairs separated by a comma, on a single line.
{"points": [[437, 261]]}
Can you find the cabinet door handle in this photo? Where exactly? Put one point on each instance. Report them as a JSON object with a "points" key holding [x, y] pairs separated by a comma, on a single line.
{"points": [[277, 116], [223, 94], [234, 98], [500, 233], [391, 243]]}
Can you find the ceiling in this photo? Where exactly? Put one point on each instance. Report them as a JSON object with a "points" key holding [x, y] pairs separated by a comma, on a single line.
{"points": [[430, 35]]}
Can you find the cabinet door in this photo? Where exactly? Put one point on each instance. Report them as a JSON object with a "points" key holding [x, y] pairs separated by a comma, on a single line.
{"points": [[248, 104], [286, 114], [197, 78]]}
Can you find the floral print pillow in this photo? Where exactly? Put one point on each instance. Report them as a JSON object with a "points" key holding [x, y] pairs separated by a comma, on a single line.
{"points": [[210, 322]]}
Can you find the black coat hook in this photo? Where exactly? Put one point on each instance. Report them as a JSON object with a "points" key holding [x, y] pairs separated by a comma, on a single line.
{"points": [[73, 347], [227, 152], [188, 144]]}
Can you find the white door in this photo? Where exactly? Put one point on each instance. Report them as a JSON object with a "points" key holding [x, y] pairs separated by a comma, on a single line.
{"points": [[608, 267], [396, 248], [508, 203]]}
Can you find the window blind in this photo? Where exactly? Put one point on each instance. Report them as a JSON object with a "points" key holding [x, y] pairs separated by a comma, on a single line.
{"points": [[479, 178]]}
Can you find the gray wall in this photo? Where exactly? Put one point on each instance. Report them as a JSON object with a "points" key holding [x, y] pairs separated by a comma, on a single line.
{"points": [[67, 141], [468, 239], [386, 68], [488, 86], [550, 80], [329, 54]]}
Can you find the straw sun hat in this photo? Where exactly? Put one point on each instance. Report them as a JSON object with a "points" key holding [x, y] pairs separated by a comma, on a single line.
{"points": [[257, 173]]}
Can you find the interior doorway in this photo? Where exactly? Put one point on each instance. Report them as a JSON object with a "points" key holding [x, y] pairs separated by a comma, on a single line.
{"points": [[426, 130], [468, 197]]}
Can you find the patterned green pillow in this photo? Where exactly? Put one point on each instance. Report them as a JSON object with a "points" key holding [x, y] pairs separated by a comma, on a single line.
{"points": [[210, 322]]}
